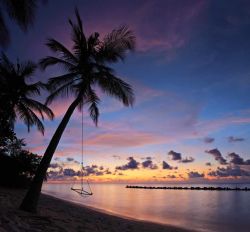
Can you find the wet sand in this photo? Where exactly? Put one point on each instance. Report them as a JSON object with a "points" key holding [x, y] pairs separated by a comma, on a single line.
{"points": [[59, 215]]}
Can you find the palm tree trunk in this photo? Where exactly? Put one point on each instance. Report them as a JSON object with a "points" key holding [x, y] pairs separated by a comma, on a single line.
{"points": [[30, 201]]}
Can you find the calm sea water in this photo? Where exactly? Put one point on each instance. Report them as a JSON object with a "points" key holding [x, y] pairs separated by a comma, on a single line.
{"points": [[198, 210]]}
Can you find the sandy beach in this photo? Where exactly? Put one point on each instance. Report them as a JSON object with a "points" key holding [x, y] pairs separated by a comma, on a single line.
{"points": [[59, 215]]}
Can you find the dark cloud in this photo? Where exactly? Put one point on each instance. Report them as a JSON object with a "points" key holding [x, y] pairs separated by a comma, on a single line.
{"points": [[55, 171], [208, 140], [55, 174], [229, 172], [195, 175], [165, 165], [147, 158], [187, 160], [237, 160], [208, 164], [132, 164], [107, 172], [54, 165], [96, 170], [99, 173], [232, 139], [69, 159], [90, 170], [174, 155], [171, 176], [148, 163], [217, 155], [93, 170], [178, 156], [69, 172]]}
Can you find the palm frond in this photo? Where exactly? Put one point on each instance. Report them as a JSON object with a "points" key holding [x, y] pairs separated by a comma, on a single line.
{"points": [[34, 89], [59, 48], [50, 60], [6, 63], [22, 11], [27, 69], [116, 44], [4, 32], [63, 91], [29, 117], [93, 41], [92, 100], [79, 22], [78, 36], [55, 82], [116, 87], [38, 106]]}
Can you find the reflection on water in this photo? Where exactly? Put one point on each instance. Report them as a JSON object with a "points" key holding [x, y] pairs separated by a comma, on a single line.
{"points": [[200, 210]]}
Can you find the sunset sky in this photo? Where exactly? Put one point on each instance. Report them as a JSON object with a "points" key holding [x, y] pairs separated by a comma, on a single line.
{"points": [[191, 77]]}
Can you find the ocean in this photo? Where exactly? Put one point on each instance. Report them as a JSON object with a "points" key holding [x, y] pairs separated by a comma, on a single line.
{"points": [[206, 211]]}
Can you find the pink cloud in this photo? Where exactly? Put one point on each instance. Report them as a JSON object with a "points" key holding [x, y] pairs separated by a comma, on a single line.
{"points": [[216, 124], [125, 139], [178, 22]]}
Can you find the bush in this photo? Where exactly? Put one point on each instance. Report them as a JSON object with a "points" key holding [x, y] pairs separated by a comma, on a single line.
{"points": [[18, 170]]}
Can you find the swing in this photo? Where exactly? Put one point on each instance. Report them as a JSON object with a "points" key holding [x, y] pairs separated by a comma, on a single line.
{"points": [[81, 190]]}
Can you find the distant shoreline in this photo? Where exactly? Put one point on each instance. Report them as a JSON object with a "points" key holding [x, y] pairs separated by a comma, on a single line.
{"points": [[61, 215]]}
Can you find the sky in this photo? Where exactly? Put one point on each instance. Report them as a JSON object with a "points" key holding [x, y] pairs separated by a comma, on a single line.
{"points": [[191, 77]]}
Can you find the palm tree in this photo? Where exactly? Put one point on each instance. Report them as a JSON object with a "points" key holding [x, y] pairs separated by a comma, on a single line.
{"points": [[20, 11], [16, 95], [86, 67]]}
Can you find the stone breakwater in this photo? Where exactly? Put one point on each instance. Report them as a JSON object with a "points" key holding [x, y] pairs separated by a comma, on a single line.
{"points": [[190, 188]]}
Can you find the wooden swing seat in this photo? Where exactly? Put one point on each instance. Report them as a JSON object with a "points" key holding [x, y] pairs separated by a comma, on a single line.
{"points": [[81, 191]]}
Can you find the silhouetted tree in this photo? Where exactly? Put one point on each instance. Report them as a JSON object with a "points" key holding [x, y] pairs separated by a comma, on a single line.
{"points": [[86, 67], [20, 11], [16, 95], [17, 166], [6, 131]]}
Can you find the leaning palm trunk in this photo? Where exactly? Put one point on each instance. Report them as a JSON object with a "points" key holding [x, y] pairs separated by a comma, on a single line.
{"points": [[31, 199]]}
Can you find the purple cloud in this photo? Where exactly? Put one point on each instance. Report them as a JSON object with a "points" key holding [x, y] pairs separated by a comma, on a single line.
{"points": [[132, 164], [237, 160], [208, 140], [187, 160], [174, 155], [229, 172], [232, 139], [165, 165], [148, 163], [217, 155], [195, 174]]}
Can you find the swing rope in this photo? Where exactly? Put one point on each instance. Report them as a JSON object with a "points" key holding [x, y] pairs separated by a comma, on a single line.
{"points": [[81, 191]]}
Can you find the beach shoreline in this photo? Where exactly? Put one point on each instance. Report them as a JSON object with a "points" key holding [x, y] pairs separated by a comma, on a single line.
{"points": [[56, 214]]}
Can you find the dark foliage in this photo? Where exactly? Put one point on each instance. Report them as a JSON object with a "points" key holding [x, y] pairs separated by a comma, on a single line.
{"points": [[17, 166], [17, 95], [22, 12], [17, 171]]}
